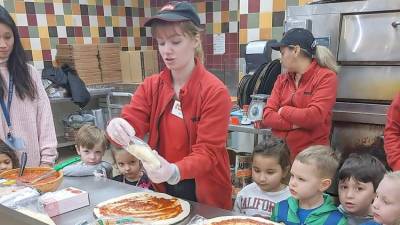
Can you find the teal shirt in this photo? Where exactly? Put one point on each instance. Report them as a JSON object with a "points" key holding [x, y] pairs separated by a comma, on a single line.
{"points": [[317, 217]]}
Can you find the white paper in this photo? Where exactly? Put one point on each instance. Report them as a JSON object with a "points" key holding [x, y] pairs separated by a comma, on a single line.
{"points": [[219, 44]]}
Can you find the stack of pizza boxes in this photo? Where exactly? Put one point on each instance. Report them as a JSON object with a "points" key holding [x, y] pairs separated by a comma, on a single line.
{"points": [[110, 62], [83, 58]]}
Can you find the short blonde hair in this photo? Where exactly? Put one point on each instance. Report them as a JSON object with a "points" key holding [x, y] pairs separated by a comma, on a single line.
{"points": [[89, 136], [323, 157]]}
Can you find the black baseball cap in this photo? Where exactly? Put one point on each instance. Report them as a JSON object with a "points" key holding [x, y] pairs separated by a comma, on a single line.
{"points": [[175, 11], [297, 36]]}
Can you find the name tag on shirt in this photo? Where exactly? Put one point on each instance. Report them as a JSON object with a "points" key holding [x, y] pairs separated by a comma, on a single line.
{"points": [[176, 109]]}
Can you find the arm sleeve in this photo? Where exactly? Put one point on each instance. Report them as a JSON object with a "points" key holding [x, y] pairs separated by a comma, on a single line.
{"points": [[79, 170], [212, 129], [271, 118], [45, 125], [137, 112], [322, 102], [274, 216], [392, 135]]}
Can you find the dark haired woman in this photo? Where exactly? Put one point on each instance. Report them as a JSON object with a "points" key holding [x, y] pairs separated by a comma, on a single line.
{"points": [[26, 118]]}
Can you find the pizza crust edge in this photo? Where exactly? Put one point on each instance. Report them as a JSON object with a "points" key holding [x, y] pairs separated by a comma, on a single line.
{"points": [[184, 204]]}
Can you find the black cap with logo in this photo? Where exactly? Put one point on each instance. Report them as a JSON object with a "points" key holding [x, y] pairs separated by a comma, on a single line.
{"points": [[175, 11], [297, 36]]}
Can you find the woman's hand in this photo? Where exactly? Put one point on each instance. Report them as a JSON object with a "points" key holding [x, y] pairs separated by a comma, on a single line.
{"points": [[280, 110], [167, 172], [120, 131]]}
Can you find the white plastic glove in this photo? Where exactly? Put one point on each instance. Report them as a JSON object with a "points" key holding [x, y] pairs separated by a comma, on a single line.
{"points": [[120, 131], [168, 172]]}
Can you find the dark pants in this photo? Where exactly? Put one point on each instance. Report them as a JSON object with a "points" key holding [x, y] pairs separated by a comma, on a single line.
{"points": [[185, 189]]}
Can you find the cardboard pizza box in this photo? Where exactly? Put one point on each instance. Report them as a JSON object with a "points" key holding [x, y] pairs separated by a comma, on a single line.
{"points": [[149, 62], [65, 200], [131, 67]]}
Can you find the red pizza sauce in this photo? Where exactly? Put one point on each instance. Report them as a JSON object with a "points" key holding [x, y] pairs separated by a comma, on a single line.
{"points": [[152, 208], [29, 176]]}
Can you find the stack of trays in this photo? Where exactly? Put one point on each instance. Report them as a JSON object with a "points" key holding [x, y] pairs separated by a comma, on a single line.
{"points": [[83, 58], [110, 62]]}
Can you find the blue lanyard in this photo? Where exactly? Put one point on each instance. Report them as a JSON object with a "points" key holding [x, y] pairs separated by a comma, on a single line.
{"points": [[6, 109]]}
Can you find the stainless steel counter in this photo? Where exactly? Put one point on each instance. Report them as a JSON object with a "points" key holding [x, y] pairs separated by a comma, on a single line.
{"points": [[248, 129], [94, 92], [103, 189]]}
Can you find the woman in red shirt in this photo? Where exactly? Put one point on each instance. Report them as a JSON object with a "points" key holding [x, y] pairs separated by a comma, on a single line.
{"points": [[299, 109], [185, 110], [392, 134]]}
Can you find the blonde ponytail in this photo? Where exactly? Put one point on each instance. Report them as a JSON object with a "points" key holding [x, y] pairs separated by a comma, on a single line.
{"points": [[325, 58], [199, 53]]}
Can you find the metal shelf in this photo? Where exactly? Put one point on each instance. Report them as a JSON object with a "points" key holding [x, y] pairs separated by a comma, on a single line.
{"points": [[62, 142], [248, 129], [94, 92]]}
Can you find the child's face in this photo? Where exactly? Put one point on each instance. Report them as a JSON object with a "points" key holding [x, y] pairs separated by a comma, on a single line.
{"points": [[305, 183], [386, 206], [267, 173], [91, 156], [127, 164], [5, 163], [355, 196]]}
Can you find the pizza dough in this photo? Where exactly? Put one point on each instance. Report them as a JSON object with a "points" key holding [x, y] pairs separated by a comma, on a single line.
{"points": [[145, 154], [157, 208], [239, 220]]}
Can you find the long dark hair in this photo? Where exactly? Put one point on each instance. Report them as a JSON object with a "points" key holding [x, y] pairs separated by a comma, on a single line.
{"points": [[17, 63], [274, 147], [4, 149]]}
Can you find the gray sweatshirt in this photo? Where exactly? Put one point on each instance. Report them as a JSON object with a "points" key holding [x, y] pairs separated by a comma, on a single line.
{"points": [[354, 220], [80, 169]]}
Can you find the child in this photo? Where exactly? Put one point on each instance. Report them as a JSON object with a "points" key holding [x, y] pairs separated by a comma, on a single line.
{"points": [[8, 158], [130, 169], [359, 177], [386, 206], [270, 166], [311, 174], [91, 143]]}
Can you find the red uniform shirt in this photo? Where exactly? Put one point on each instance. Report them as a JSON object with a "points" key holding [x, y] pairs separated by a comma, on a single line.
{"points": [[392, 134], [175, 144], [308, 106], [206, 106]]}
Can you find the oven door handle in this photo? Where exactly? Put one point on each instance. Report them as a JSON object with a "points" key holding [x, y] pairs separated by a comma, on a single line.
{"points": [[395, 24]]}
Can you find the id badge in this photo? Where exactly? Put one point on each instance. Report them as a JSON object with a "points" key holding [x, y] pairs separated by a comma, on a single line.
{"points": [[176, 109], [15, 143]]}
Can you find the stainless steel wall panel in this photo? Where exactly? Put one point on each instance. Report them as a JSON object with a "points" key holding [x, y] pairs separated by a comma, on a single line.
{"points": [[370, 83]]}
